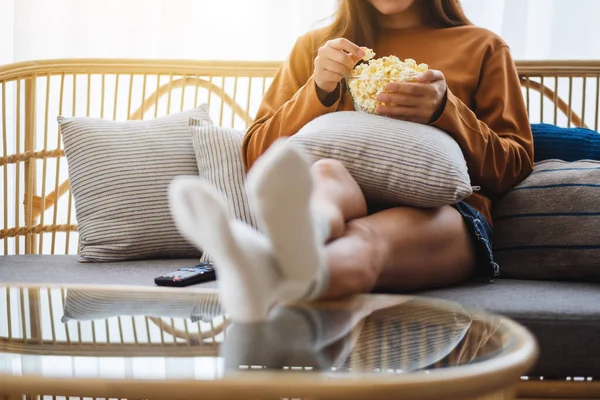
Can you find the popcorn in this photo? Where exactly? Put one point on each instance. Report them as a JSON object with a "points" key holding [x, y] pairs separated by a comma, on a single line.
{"points": [[367, 80], [369, 53]]}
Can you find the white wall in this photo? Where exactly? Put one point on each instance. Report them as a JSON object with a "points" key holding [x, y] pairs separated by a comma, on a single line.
{"points": [[257, 29], [6, 31]]}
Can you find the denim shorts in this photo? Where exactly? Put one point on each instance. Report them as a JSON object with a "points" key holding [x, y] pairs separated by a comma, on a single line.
{"points": [[481, 235]]}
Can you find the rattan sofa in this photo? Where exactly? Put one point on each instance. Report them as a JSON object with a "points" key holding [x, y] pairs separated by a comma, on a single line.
{"points": [[39, 239]]}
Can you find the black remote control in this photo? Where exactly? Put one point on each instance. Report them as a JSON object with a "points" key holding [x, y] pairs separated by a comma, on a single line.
{"points": [[188, 276]]}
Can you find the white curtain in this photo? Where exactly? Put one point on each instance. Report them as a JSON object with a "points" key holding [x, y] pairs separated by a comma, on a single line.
{"points": [[257, 29]]}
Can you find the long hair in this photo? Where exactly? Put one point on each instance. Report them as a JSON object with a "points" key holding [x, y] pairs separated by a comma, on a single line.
{"points": [[356, 20]]}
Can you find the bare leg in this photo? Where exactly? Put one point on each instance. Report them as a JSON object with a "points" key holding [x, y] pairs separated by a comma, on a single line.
{"points": [[336, 195], [400, 249]]}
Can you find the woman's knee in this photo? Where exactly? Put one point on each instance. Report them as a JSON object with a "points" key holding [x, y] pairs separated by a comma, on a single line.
{"points": [[369, 251], [458, 239], [415, 241], [328, 168]]}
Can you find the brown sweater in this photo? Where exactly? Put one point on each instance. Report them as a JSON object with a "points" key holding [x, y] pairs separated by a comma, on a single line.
{"points": [[484, 112]]}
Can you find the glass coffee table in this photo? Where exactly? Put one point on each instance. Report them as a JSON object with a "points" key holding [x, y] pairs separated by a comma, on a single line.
{"points": [[152, 343]]}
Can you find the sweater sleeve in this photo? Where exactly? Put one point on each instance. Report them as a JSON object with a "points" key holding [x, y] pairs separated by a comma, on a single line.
{"points": [[290, 103], [496, 136]]}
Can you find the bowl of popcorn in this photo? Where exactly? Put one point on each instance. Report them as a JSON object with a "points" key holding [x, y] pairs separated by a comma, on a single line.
{"points": [[370, 78]]}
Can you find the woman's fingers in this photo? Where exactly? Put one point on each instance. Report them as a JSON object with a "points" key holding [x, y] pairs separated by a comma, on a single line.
{"points": [[398, 111], [331, 76], [431, 75], [345, 59], [347, 46], [409, 88], [400, 99], [335, 59], [412, 114], [331, 66], [415, 101]]}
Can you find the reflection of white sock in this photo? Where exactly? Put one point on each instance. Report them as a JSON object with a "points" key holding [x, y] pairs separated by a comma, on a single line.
{"points": [[309, 337], [280, 188], [249, 283], [276, 343]]}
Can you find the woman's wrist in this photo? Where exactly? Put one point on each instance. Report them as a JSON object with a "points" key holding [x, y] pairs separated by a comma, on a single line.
{"points": [[440, 110], [328, 99]]}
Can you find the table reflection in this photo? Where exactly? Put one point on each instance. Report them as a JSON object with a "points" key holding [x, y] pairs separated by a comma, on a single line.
{"points": [[175, 335]]}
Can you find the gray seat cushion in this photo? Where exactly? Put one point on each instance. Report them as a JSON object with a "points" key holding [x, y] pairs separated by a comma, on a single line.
{"points": [[67, 269], [564, 317]]}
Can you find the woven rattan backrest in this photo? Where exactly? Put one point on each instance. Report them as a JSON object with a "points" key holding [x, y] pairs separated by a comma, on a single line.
{"points": [[38, 210]]}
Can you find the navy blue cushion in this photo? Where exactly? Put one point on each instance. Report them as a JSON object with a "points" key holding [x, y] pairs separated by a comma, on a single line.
{"points": [[568, 144]]}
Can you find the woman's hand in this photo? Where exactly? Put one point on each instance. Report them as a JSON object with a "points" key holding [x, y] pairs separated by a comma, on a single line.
{"points": [[335, 58], [422, 101]]}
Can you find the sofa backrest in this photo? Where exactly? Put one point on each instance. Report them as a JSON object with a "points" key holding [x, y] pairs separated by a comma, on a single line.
{"points": [[39, 214]]}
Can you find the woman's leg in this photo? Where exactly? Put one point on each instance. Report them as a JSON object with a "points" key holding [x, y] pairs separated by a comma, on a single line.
{"points": [[336, 196], [401, 249], [281, 186]]}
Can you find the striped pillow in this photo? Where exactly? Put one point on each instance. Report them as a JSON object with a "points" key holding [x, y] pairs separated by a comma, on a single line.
{"points": [[119, 173], [394, 162], [86, 305], [219, 159], [547, 226]]}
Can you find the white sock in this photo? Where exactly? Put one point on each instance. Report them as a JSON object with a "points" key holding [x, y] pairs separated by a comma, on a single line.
{"points": [[248, 280], [279, 188]]}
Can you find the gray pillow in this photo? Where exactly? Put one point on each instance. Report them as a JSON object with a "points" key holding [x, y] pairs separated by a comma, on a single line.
{"points": [[219, 159], [394, 162], [119, 173], [547, 226]]}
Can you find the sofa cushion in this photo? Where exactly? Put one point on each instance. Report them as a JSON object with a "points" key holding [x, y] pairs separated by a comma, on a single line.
{"points": [[67, 269], [119, 173], [547, 226], [394, 162], [564, 317], [219, 158]]}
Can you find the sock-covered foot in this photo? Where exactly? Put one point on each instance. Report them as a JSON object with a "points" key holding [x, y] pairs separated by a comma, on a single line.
{"points": [[247, 278], [280, 188]]}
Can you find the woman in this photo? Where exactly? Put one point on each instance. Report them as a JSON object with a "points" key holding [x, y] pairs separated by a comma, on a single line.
{"points": [[471, 91]]}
